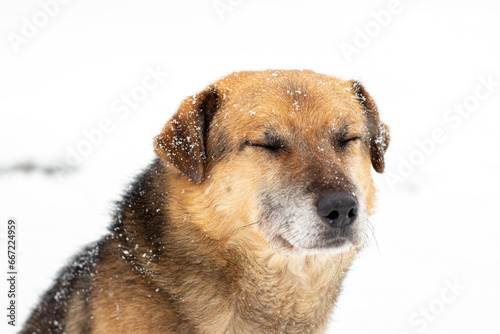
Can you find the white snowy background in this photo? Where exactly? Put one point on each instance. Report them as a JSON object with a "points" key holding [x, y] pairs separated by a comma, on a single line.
{"points": [[435, 266]]}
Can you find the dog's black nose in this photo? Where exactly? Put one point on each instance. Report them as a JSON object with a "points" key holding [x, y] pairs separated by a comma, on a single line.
{"points": [[340, 209]]}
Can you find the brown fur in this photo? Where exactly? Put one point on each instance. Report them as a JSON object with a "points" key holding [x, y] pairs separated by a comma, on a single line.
{"points": [[193, 248]]}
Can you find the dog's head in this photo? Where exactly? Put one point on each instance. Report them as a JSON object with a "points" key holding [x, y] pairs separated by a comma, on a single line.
{"points": [[286, 155]]}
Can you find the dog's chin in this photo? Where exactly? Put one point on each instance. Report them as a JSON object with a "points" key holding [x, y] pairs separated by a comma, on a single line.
{"points": [[329, 246]]}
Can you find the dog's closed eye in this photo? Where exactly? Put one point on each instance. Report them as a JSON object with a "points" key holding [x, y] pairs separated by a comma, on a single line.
{"points": [[344, 142], [270, 141], [273, 146]]}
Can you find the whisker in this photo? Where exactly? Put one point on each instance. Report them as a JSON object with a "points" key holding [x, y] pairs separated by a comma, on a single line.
{"points": [[242, 227], [372, 229]]}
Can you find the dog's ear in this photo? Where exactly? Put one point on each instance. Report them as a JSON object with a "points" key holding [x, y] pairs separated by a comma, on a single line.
{"points": [[379, 132], [182, 142]]}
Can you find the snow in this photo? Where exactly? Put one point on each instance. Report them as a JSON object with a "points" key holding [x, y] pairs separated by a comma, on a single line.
{"points": [[434, 267]]}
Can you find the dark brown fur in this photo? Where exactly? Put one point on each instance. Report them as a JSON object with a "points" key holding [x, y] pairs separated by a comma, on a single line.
{"points": [[193, 248]]}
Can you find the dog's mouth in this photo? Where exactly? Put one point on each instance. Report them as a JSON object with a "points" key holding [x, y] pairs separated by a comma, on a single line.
{"points": [[335, 242]]}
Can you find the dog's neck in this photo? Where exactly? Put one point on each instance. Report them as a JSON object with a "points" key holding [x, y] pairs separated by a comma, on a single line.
{"points": [[259, 290], [292, 295]]}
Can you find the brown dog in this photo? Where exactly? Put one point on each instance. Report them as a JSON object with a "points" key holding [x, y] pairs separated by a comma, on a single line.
{"points": [[246, 224]]}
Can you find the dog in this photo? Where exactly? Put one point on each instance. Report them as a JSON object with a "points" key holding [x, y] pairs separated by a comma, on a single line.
{"points": [[246, 222]]}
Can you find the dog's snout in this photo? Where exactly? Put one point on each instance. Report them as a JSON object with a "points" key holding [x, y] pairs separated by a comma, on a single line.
{"points": [[339, 209]]}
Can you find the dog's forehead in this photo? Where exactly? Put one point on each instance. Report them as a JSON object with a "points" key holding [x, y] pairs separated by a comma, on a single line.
{"points": [[289, 100]]}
